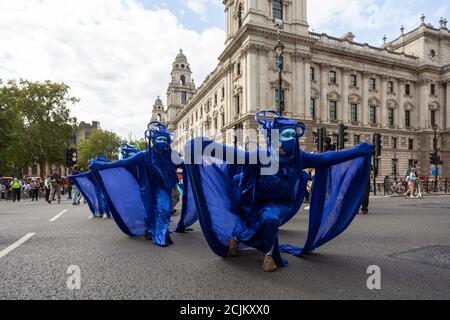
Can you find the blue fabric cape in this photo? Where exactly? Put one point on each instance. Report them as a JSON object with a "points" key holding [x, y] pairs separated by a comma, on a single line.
{"points": [[225, 211]]}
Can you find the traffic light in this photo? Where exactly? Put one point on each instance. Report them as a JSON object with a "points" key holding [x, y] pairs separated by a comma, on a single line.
{"points": [[320, 140], [70, 157], [435, 159], [377, 144], [342, 134]]}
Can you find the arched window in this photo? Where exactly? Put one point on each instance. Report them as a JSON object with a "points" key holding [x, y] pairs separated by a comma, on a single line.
{"points": [[277, 8], [159, 117], [240, 15], [183, 80]]}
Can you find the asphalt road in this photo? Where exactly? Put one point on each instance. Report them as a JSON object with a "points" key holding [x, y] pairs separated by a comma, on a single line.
{"points": [[409, 240]]}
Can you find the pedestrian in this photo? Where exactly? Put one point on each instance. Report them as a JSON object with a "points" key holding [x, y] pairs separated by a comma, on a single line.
{"points": [[55, 181], [34, 186], [2, 192], [365, 203], [47, 187], [412, 178], [16, 187], [75, 191], [26, 190]]}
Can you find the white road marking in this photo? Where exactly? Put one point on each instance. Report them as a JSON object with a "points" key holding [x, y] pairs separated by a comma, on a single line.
{"points": [[58, 215], [15, 245]]}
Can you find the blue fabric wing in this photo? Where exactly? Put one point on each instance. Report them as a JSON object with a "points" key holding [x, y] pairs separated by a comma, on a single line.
{"points": [[217, 202], [123, 194], [85, 182], [337, 194]]}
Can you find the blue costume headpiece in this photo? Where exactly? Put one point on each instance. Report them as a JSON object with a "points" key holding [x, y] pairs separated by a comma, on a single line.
{"points": [[158, 136], [289, 130], [127, 151]]}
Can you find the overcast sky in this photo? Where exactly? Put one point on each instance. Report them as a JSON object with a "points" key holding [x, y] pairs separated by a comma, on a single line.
{"points": [[116, 55]]}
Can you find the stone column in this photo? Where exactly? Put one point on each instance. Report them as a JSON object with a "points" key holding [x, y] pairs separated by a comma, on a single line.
{"points": [[344, 112], [307, 83], [401, 102], [251, 79], [324, 92], [365, 98], [263, 79], [442, 114], [298, 87], [423, 103], [447, 104], [383, 110]]}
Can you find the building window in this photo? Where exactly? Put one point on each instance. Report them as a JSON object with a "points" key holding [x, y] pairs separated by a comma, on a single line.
{"points": [[333, 110], [215, 99], [183, 80], [373, 115], [356, 139], [223, 119], [313, 108], [411, 144], [373, 84], [223, 92], [312, 73], [394, 166], [433, 118], [278, 98], [433, 89], [240, 15], [408, 119], [277, 8], [391, 87], [353, 80], [183, 97], [354, 113], [394, 143], [390, 117], [238, 68], [238, 104], [333, 77], [408, 90], [215, 123]]}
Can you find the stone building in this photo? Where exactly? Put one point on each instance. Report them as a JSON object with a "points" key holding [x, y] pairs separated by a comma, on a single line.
{"points": [[83, 132], [401, 89]]}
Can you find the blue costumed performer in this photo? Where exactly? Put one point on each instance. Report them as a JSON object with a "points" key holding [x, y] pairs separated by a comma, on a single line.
{"points": [[239, 204], [138, 189]]}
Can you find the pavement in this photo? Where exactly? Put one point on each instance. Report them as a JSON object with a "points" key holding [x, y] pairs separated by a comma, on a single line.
{"points": [[408, 239]]}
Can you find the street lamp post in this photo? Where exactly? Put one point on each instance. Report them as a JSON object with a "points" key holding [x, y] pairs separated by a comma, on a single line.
{"points": [[435, 152], [279, 52]]}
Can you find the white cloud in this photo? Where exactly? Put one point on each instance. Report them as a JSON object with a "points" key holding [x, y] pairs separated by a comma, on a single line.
{"points": [[115, 55], [199, 6]]}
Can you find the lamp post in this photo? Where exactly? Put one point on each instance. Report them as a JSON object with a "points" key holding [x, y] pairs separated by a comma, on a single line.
{"points": [[435, 152], [279, 52]]}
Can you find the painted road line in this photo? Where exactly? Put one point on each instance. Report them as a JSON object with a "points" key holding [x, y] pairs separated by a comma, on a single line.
{"points": [[58, 215], [15, 245]]}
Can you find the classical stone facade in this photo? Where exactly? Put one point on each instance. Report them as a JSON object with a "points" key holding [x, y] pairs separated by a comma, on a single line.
{"points": [[400, 89]]}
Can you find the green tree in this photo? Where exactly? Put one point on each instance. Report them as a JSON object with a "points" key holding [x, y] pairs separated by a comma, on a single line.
{"points": [[100, 143], [42, 126]]}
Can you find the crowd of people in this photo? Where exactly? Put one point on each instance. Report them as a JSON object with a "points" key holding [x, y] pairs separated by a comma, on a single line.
{"points": [[50, 189]]}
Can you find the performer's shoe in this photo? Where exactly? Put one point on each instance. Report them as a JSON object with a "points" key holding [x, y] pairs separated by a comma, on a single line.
{"points": [[269, 264], [233, 248], [148, 236]]}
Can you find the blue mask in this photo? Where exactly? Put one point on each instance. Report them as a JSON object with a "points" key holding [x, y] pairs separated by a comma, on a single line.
{"points": [[161, 144]]}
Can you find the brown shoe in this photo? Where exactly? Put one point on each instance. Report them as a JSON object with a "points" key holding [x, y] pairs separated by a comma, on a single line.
{"points": [[233, 248], [269, 264]]}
